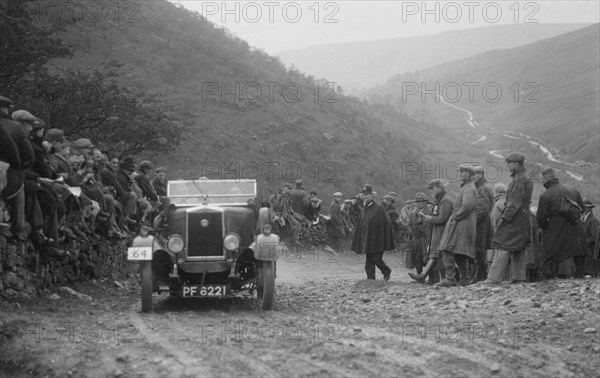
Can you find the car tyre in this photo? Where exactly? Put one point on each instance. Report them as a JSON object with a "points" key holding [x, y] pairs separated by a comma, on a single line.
{"points": [[147, 285], [265, 287]]}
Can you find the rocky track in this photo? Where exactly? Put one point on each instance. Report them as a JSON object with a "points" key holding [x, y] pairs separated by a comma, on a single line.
{"points": [[327, 322]]}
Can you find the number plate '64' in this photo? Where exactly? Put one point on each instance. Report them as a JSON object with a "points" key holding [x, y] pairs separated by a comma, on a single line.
{"points": [[139, 253]]}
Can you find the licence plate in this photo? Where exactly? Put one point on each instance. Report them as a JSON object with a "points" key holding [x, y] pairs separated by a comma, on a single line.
{"points": [[205, 290], [139, 253]]}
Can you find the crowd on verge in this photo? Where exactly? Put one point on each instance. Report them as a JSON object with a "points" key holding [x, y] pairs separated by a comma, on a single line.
{"points": [[486, 233], [53, 190]]}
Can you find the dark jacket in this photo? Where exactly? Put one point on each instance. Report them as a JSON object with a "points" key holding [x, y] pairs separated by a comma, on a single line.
{"points": [[16, 132], [9, 153], [592, 228], [512, 231], [160, 187], [336, 224], [108, 177], [485, 201], [124, 180], [144, 183], [560, 237], [373, 231], [41, 164], [298, 200]]}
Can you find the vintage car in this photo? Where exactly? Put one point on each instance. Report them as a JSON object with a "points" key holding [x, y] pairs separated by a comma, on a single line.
{"points": [[210, 246]]}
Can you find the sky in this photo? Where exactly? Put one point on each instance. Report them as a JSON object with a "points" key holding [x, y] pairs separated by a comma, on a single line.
{"points": [[276, 26]]}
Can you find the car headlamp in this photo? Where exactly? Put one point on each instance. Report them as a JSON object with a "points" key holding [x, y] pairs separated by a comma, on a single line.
{"points": [[175, 244], [231, 242]]}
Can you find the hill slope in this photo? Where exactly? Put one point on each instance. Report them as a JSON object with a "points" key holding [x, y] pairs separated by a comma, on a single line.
{"points": [[331, 141], [558, 93], [361, 65]]}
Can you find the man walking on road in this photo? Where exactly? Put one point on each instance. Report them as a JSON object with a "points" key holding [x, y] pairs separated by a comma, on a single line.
{"points": [[373, 235], [512, 233]]}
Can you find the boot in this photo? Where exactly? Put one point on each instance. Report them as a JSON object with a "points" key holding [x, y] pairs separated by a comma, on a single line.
{"points": [[417, 277]]}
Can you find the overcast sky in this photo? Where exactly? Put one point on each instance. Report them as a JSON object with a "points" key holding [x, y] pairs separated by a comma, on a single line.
{"points": [[276, 26]]}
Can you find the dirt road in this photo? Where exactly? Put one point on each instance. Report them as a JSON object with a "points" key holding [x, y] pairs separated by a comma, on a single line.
{"points": [[328, 321]]}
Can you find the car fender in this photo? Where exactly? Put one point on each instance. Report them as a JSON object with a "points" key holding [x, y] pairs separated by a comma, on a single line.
{"points": [[267, 247]]}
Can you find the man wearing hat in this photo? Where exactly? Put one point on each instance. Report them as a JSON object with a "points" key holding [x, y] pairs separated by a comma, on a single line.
{"points": [[373, 235], [17, 134], [336, 223], [312, 211], [592, 229], [512, 232], [458, 241], [420, 233], [485, 231], [159, 182], [298, 199], [281, 215], [441, 212]]}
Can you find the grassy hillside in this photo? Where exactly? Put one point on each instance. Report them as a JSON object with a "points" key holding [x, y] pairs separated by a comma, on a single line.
{"points": [[331, 141], [560, 106], [360, 65]]}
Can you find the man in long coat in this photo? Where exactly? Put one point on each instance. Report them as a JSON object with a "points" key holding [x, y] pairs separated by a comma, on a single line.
{"points": [[458, 241], [485, 231], [298, 198], [419, 231], [560, 236], [592, 229], [512, 233], [441, 212], [336, 223], [373, 235]]}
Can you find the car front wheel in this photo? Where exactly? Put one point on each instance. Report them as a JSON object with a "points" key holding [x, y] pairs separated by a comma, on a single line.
{"points": [[266, 284], [146, 273]]}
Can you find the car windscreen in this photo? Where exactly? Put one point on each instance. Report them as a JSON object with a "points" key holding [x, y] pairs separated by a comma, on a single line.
{"points": [[195, 192]]}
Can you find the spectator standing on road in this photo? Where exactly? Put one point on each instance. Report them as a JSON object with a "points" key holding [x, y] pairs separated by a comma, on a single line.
{"points": [[373, 235], [591, 226], [336, 223], [458, 241], [485, 231], [512, 232]]}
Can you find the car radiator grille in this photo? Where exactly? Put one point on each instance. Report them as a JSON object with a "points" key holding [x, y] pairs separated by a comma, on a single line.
{"points": [[205, 241]]}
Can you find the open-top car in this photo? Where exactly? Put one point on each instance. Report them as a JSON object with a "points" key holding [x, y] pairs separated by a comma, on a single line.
{"points": [[210, 246]]}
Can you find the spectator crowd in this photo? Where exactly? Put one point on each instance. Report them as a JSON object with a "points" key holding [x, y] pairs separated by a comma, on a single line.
{"points": [[54, 190], [482, 234]]}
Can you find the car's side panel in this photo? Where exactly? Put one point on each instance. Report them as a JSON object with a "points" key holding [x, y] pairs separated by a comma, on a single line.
{"points": [[242, 221]]}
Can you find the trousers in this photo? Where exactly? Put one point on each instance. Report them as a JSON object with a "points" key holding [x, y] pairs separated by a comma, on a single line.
{"points": [[373, 260], [501, 261]]}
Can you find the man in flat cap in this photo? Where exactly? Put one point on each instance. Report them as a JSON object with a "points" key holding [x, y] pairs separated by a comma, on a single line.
{"points": [[336, 229], [485, 231], [373, 235], [298, 199], [458, 241], [441, 212], [513, 229], [560, 231], [592, 229], [420, 233], [27, 157]]}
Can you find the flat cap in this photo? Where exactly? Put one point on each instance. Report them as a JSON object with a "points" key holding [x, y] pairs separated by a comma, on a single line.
{"points": [[23, 116], [54, 135], [409, 202], [388, 197], [82, 143], [348, 201], [314, 200], [548, 173], [287, 185], [367, 189], [393, 194], [436, 182], [338, 194], [466, 167], [5, 101], [299, 182], [500, 188], [161, 169], [515, 157], [420, 197], [128, 164], [146, 164]]}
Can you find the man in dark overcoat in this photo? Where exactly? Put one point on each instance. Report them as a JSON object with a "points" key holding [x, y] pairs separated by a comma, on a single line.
{"points": [[512, 232], [560, 236], [485, 231], [336, 223], [592, 229], [373, 235]]}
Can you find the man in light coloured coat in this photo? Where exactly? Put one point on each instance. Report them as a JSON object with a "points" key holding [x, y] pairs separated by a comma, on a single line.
{"points": [[458, 241]]}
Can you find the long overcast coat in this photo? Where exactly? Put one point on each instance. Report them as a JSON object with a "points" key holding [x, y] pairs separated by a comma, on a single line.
{"points": [[460, 232], [373, 231]]}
